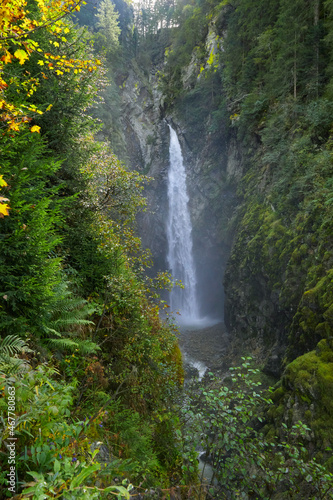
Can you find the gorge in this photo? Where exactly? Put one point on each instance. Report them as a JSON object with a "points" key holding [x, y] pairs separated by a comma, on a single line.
{"points": [[191, 137], [258, 147]]}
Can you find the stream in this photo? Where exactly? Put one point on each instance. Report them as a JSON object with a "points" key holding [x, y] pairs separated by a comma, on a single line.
{"points": [[204, 346]]}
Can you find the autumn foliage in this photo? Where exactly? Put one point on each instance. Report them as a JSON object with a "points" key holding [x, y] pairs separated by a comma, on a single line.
{"points": [[17, 46]]}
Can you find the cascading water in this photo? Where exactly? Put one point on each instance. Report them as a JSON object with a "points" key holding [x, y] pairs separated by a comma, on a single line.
{"points": [[179, 229]]}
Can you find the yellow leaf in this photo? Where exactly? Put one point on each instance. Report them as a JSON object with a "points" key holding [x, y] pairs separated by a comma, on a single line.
{"points": [[35, 128], [2, 182], [7, 58], [4, 210], [50, 384], [41, 63], [14, 126], [21, 55]]}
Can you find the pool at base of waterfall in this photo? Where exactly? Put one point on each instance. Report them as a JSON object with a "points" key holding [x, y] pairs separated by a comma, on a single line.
{"points": [[203, 346]]}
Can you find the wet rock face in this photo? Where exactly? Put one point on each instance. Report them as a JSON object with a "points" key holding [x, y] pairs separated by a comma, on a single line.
{"points": [[147, 144], [252, 310]]}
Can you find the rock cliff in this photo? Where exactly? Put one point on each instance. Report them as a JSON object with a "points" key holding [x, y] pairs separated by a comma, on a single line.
{"points": [[210, 173]]}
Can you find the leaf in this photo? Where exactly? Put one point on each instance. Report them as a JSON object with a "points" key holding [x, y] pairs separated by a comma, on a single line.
{"points": [[4, 207], [56, 466], [35, 128], [49, 383], [7, 58], [83, 475], [120, 489], [21, 55], [36, 475]]}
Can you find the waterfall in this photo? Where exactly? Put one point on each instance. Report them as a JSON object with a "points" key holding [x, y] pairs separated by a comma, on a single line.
{"points": [[179, 229]]}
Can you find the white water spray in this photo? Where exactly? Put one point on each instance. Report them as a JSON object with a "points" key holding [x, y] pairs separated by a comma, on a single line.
{"points": [[179, 229]]}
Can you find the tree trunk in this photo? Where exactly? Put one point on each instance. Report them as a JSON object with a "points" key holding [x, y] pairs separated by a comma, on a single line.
{"points": [[295, 68], [316, 22]]}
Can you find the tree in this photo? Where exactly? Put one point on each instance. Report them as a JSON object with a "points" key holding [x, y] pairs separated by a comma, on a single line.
{"points": [[227, 422], [19, 22], [108, 28]]}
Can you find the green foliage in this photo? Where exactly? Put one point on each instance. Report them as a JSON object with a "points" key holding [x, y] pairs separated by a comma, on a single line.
{"points": [[108, 29], [72, 287], [225, 421], [10, 346], [29, 264], [56, 453], [310, 378]]}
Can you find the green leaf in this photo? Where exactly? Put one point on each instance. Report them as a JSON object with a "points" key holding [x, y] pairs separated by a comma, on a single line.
{"points": [[83, 475], [56, 466]]}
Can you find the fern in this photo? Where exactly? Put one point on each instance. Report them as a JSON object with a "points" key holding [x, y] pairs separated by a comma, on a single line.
{"points": [[62, 344], [71, 345], [66, 319], [67, 311], [87, 346], [10, 346]]}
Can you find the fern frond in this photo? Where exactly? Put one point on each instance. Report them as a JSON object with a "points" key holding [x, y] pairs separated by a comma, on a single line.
{"points": [[11, 366], [72, 320], [12, 344], [51, 331], [62, 344], [66, 344], [68, 311], [87, 346]]}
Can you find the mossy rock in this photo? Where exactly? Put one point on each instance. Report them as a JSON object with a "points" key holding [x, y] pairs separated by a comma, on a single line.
{"points": [[311, 378], [278, 394]]}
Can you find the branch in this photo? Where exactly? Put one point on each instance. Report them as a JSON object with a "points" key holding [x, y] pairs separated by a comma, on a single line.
{"points": [[237, 100]]}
